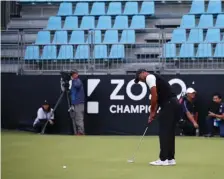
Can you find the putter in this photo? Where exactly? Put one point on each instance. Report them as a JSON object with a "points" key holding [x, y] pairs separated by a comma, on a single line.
{"points": [[133, 158]]}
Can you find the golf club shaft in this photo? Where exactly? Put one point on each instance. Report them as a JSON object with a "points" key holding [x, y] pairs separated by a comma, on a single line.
{"points": [[133, 158]]}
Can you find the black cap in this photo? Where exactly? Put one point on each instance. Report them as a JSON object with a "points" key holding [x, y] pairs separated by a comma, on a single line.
{"points": [[74, 71], [138, 73], [45, 102]]}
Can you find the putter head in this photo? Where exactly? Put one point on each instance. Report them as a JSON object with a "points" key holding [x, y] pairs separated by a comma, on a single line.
{"points": [[130, 161]]}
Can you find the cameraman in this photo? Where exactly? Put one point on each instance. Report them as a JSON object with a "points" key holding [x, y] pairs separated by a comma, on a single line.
{"points": [[77, 102]]}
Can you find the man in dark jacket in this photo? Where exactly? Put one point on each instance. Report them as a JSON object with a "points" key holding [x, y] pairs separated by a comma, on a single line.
{"points": [[77, 102]]}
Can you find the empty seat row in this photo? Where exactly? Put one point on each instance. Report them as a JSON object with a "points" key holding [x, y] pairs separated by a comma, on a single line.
{"points": [[196, 36], [78, 37], [68, 52], [205, 21], [88, 22], [98, 8], [198, 7], [188, 51]]}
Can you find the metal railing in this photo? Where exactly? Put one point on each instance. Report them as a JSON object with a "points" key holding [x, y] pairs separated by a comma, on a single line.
{"points": [[148, 52]]}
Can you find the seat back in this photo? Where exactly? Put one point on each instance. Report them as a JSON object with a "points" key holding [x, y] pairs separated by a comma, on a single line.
{"points": [[187, 51], [138, 22], [220, 21], [214, 7], [82, 9], [32, 53], [196, 36], [128, 37], [148, 8], [178, 36], [117, 52], [65, 9], [77, 37], [43, 37], [114, 8], [98, 8], [66, 52], [60, 37], [204, 50], [94, 37], [88, 22], [71, 23], [121, 22], [111, 36], [213, 35], [82, 52], [219, 50], [188, 21], [54, 23], [197, 7], [206, 21], [131, 8], [100, 52], [49, 52], [104, 22], [169, 50]]}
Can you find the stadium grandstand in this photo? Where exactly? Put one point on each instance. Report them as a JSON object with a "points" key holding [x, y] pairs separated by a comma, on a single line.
{"points": [[112, 36]]}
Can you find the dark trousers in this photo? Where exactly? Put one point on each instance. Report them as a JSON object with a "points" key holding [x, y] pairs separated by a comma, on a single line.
{"points": [[39, 126], [210, 125], [188, 128], [168, 117]]}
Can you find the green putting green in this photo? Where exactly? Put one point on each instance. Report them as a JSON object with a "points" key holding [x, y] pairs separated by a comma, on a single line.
{"points": [[33, 156]]}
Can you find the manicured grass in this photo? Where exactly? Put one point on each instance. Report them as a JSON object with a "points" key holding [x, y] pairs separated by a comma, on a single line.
{"points": [[33, 156]]}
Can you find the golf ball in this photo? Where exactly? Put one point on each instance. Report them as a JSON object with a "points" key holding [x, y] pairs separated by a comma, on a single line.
{"points": [[64, 166], [130, 161]]}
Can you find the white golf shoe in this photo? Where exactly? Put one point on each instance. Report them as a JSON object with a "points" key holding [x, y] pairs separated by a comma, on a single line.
{"points": [[172, 162], [159, 163]]}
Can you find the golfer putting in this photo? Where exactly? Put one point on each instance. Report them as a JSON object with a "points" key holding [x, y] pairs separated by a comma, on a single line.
{"points": [[162, 96]]}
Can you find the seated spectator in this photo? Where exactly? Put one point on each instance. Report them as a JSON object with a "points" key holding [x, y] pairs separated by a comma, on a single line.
{"points": [[215, 116], [189, 122], [45, 116]]}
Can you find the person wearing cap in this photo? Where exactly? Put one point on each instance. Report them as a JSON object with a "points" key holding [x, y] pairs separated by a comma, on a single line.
{"points": [[162, 96], [190, 113], [45, 113], [77, 102]]}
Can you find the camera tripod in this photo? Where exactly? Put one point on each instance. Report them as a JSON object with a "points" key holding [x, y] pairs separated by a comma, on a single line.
{"points": [[70, 108]]}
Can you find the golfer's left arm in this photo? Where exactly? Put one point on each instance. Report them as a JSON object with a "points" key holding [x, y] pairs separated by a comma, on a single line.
{"points": [[151, 82]]}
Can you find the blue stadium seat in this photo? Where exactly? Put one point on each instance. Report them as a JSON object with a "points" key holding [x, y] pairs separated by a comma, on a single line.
{"points": [[220, 21], [138, 22], [60, 37], [94, 37], [206, 21], [104, 22], [71, 23], [32, 53], [188, 21], [219, 50], [214, 7], [178, 36], [128, 37], [117, 52], [54, 23], [98, 8], [114, 8], [77, 37], [204, 50], [131, 8], [213, 35], [88, 22], [65, 9], [82, 52], [121, 22], [49, 52], [111, 37], [43, 37], [81, 9], [197, 7], [195, 36], [148, 8], [169, 50], [66, 52], [187, 51], [100, 52]]}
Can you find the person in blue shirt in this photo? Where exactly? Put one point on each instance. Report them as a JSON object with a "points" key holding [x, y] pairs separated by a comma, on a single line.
{"points": [[215, 116], [77, 104]]}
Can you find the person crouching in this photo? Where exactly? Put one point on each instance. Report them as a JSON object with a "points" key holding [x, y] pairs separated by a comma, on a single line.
{"points": [[44, 114]]}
